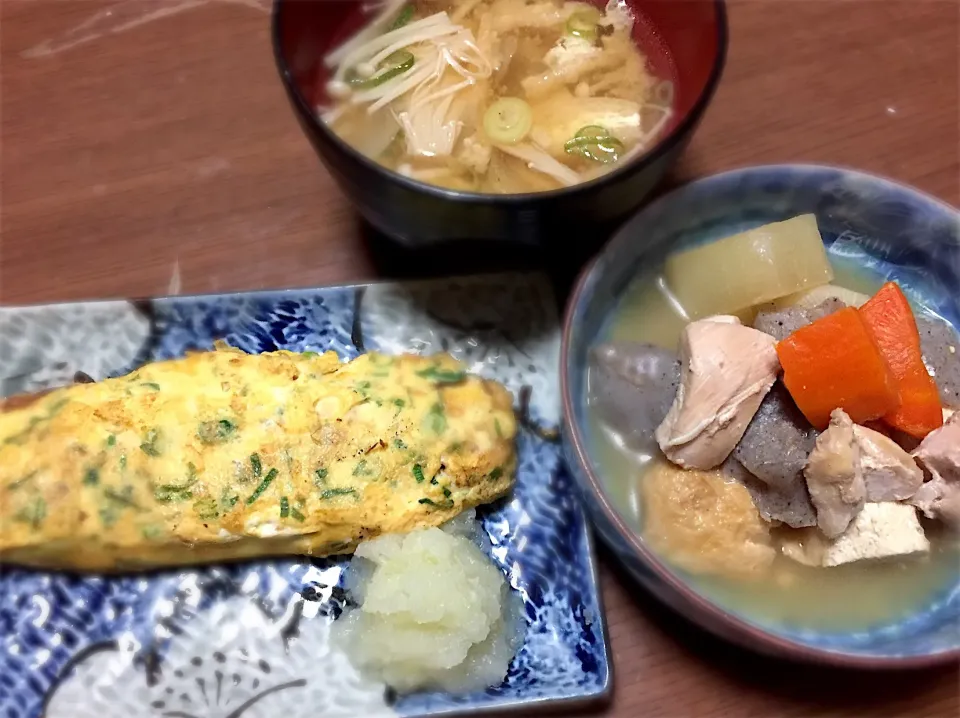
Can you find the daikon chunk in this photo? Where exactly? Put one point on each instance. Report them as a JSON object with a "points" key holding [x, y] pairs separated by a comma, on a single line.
{"points": [[751, 268]]}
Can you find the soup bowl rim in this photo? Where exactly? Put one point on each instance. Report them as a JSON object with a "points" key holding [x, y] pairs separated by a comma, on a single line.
{"points": [[666, 143], [711, 613]]}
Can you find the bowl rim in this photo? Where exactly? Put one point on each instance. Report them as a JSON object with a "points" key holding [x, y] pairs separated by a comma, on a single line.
{"points": [[782, 645], [663, 146]]}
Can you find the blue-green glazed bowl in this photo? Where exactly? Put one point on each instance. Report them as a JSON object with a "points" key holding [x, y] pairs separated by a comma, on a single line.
{"points": [[891, 230]]}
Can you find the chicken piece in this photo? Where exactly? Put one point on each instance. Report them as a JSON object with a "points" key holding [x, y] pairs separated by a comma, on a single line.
{"points": [[703, 522], [889, 472], [880, 530], [900, 438], [941, 354], [940, 455], [781, 323], [776, 449], [778, 442], [632, 385], [788, 504], [835, 477], [727, 371]]}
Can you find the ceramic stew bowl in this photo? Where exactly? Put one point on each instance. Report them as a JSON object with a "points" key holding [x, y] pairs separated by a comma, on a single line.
{"points": [[687, 40], [892, 231]]}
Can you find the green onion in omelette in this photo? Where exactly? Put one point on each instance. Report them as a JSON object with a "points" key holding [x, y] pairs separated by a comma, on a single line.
{"points": [[267, 480]]}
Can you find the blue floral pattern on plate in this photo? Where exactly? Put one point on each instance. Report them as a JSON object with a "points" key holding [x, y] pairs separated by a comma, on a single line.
{"points": [[250, 640], [891, 232]]}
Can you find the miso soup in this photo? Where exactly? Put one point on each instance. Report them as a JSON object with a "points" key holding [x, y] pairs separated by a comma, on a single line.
{"points": [[498, 96]]}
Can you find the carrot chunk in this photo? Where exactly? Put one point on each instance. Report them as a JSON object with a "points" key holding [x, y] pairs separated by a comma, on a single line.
{"points": [[893, 327], [834, 363]]}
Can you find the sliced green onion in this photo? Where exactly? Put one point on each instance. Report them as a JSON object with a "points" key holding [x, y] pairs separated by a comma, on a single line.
{"points": [[33, 513], [404, 17], [593, 131], [216, 432], [445, 504], [442, 376], [394, 64], [508, 120], [267, 480], [22, 480], [228, 501], [206, 508], [583, 23], [331, 493], [150, 440], [151, 533], [169, 493], [595, 143], [606, 152], [124, 497], [436, 420]]}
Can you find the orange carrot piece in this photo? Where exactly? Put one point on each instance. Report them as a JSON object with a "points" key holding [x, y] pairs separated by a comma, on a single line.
{"points": [[835, 364], [893, 327]]}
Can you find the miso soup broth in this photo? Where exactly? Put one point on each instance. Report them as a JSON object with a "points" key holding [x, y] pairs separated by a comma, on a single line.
{"points": [[499, 96], [846, 597]]}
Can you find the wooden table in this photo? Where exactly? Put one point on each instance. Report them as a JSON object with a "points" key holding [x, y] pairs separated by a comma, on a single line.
{"points": [[148, 148]]}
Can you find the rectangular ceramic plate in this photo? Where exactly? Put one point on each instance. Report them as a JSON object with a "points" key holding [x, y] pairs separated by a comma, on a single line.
{"points": [[250, 640]]}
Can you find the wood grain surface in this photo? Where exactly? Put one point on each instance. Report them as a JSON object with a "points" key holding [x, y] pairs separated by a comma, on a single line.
{"points": [[147, 148]]}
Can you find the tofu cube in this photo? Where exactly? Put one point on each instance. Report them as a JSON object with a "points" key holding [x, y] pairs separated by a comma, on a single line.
{"points": [[880, 530]]}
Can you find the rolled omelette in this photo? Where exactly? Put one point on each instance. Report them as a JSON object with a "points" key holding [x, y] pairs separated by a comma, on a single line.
{"points": [[223, 455]]}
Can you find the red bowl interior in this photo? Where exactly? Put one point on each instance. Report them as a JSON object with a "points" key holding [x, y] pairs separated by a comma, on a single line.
{"points": [[680, 38]]}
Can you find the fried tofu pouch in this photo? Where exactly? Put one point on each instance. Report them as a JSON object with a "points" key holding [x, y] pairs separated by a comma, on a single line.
{"points": [[223, 455]]}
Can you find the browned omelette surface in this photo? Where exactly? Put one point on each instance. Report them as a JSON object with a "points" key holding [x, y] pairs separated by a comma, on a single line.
{"points": [[225, 455]]}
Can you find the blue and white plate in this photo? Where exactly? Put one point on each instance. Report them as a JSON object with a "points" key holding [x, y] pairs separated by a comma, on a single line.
{"points": [[251, 640]]}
